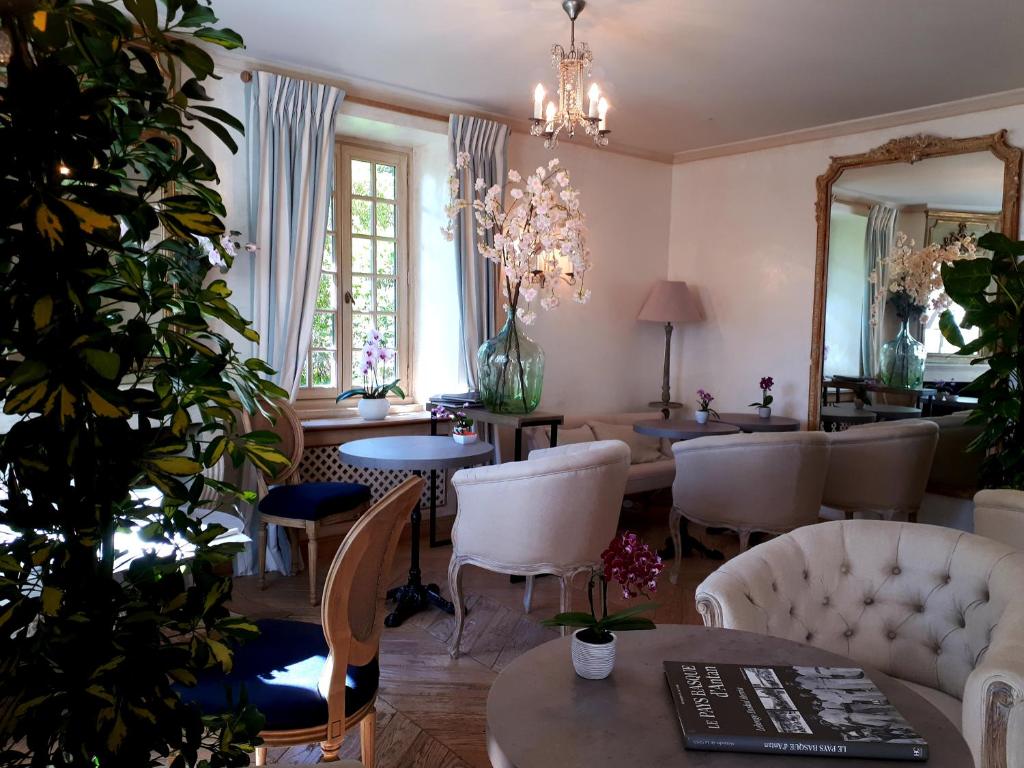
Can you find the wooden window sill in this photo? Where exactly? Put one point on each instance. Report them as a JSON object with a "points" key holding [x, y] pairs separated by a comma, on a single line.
{"points": [[354, 421]]}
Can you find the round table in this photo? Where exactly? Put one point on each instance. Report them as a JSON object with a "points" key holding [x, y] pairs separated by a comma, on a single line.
{"points": [[838, 417], [678, 429], [894, 412], [418, 453], [751, 422], [541, 715]]}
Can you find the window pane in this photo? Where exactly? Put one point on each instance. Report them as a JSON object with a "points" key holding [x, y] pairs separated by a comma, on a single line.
{"points": [[361, 327], [362, 255], [357, 368], [362, 294], [386, 181], [327, 293], [362, 181], [323, 330], [386, 257], [361, 212], [387, 370], [386, 294], [304, 376], [329, 263], [386, 326], [330, 212], [324, 367], [385, 219]]}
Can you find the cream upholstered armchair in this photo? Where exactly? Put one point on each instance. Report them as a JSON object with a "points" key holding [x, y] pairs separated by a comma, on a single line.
{"points": [[750, 482], [880, 469], [999, 515], [554, 513], [940, 609]]}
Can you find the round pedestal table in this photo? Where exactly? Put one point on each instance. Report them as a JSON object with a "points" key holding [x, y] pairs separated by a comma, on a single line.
{"points": [[418, 453], [680, 429], [751, 422], [541, 715]]}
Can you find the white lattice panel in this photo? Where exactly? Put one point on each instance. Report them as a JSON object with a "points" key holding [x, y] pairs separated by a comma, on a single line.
{"points": [[322, 463]]}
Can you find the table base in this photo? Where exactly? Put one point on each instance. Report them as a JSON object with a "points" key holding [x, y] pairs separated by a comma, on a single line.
{"points": [[410, 599]]}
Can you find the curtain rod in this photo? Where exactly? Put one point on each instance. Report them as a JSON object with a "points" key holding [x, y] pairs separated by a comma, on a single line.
{"points": [[247, 75]]}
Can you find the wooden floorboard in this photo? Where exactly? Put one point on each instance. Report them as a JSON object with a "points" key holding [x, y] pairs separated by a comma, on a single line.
{"points": [[431, 709]]}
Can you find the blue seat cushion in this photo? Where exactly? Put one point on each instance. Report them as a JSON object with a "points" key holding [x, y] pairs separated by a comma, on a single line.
{"points": [[281, 673], [313, 501]]}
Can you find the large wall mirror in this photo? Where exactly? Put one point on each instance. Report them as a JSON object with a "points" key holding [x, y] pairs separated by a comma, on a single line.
{"points": [[924, 189]]}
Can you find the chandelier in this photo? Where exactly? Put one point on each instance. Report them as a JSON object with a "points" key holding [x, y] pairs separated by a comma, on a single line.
{"points": [[572, 66]]}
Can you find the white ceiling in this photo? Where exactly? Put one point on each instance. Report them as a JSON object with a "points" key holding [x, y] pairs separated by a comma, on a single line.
{"points": [[680, 74], [971, 182]]}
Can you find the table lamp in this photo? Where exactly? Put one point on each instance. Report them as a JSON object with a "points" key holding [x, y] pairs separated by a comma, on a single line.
{"points": [[670, 301]]}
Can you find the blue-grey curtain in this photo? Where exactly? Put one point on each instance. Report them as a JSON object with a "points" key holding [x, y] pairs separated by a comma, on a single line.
{"points": [[486, 143], [290, 132], [878, 241]]}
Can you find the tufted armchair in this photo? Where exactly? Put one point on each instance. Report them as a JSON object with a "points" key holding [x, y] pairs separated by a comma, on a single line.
{"points": [[940, 609]]}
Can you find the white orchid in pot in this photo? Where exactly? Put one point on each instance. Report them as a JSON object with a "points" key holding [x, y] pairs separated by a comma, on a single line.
{"points": [[378, 362], [533, 232]]}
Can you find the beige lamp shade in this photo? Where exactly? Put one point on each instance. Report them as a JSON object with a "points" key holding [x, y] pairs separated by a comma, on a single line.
{"points": [[670, 301]]}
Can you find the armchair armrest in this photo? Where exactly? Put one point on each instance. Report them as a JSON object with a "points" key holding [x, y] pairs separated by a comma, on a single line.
{"points": [[993, 712], [723, 598]]}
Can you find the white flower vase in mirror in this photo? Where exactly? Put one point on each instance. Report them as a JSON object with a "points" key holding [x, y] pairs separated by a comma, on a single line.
{"points": [[535, 236], [910, 281], [379, 379], [764, 405], [222, 251]]}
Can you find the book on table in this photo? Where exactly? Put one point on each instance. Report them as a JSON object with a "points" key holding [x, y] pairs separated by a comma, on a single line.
{"points": [[792, 710], [469, 399]]}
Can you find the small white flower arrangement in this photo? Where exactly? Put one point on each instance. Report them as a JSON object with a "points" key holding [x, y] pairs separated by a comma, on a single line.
{"points": [[228, 248]]}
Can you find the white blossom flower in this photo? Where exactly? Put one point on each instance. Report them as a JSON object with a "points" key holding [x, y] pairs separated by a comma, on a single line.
{"points": [[480, 184], [516, 193], [528, 294], [553, 163], [513, 176]]}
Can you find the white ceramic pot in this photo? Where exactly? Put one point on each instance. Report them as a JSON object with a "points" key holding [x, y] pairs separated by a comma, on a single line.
{"points": [[764, 412], [374, 409], [592, 662], [701, 417], [465, 439]]}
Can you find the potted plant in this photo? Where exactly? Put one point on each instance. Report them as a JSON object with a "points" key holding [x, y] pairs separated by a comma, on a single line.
{"points": [[704, 408], [764, 407], [635, 567], [119, 377], [463, 429], [374, 403]]}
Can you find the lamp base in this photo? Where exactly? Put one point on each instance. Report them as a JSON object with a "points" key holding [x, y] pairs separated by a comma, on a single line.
{"points": [[665, 406]]}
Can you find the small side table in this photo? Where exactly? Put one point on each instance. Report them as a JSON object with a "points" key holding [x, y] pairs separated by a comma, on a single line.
{"points": [[751, 422], [516, 421], [836, 418], [894, 412], [676, 430], [420, 454]]}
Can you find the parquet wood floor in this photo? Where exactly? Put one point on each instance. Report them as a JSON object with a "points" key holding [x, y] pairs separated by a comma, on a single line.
{"points": [[431, 708]]}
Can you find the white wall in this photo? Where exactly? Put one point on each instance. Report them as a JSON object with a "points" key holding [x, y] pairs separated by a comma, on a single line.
{"points": [[743, 236], [598, 357]]}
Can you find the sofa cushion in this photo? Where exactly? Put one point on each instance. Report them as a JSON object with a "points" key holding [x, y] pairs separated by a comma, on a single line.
{"points": [[281, 672], [951, 707], [652, 476], [642, 449], [313, 501]]}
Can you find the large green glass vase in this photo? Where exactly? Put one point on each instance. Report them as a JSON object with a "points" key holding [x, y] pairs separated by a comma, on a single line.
{"points": [[902, 360], [510, 370]]}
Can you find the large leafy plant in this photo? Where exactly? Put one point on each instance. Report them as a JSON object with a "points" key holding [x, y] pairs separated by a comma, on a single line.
{"points": [[117, 379], [991, 291]]}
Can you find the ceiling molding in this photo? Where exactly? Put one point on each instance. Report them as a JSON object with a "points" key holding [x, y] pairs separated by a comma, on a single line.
{"points": [[860, 125], [406, 102]]}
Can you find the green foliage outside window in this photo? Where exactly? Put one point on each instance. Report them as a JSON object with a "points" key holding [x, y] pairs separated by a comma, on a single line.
{"points": [[117, 381]]}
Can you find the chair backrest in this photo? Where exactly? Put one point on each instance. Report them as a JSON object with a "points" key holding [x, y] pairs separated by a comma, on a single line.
{"points": [[536, 437], [999, 515], [561, 507], [955, 470], [354, 594], [286, 424], [763, 482], [880, 467], [919, 602]]}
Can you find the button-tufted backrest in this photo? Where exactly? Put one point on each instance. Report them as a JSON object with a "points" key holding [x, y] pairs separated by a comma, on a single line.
{"points": [[882, 468], [915, 601]]}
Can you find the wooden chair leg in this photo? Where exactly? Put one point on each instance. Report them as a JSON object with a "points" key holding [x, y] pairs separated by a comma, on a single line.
{"points": [[261, 755], [455, 588], [677, 543], [261, 543], [296, 565], [368, 738], [312, 529], [528, 594]]}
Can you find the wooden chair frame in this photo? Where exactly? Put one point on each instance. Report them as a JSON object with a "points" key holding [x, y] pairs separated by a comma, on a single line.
{"points": [[386, 518]]}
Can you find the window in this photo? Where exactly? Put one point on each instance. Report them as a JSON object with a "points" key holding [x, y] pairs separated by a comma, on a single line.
{"points": [[363, 276]]}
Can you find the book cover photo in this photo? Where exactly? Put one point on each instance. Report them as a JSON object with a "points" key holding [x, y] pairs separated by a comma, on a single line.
{"points": [[820, 711]]}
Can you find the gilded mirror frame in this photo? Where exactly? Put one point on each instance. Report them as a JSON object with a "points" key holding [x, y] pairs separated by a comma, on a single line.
{"points": [[907, 149]]}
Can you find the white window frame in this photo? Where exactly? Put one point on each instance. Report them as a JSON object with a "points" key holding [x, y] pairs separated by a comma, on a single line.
{"points": [[345, 151]]}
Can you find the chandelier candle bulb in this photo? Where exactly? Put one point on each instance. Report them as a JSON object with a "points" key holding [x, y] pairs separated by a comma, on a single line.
{"points": [[550, 117], [538, 102], [602, 113], [595, 97]]}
